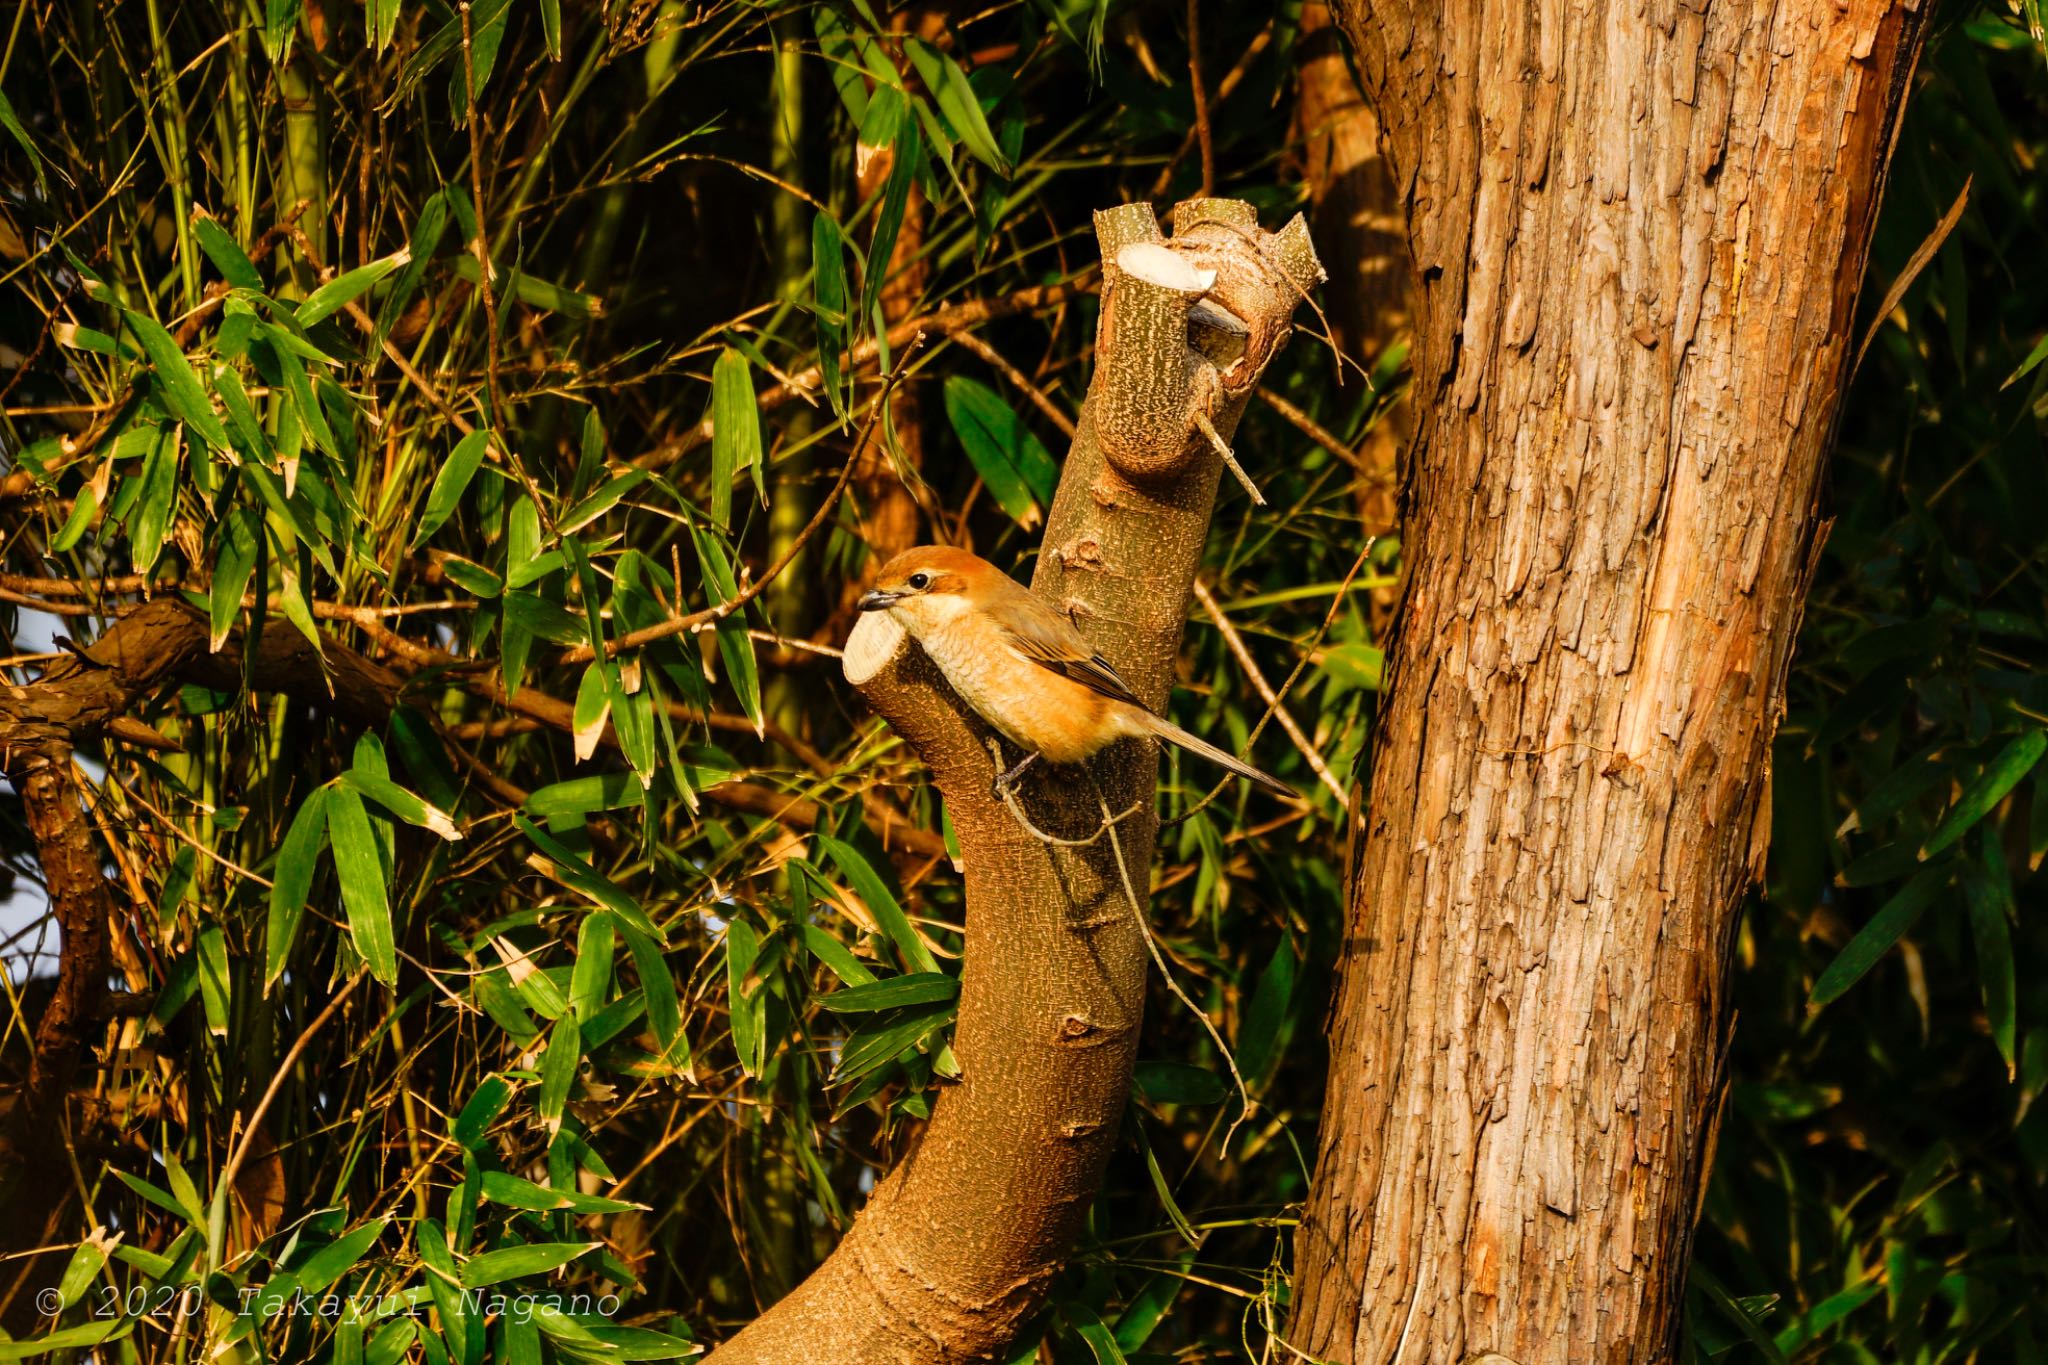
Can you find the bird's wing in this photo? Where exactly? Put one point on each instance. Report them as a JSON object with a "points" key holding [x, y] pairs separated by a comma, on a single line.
{"points": [[1041, 634]]}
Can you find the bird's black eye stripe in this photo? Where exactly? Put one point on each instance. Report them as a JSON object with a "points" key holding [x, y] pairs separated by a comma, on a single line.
{"points": [[920, 581]]}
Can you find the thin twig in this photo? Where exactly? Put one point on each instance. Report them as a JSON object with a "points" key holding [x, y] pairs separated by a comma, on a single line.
{"points": [[1202, 130], [1224, 88], [1116, 846], [1315, 642], [1003, 367], [1315, 431], [284, 1069], [1265, 690]]}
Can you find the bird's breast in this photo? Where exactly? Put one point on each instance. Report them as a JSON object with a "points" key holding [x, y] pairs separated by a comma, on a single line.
{"points": [[1029, 704]]}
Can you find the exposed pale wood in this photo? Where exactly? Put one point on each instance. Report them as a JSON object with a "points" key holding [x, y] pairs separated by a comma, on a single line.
{"points": [[1638, 236]]}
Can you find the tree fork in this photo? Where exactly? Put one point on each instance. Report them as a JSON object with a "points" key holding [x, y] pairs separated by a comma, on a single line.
{"points": [[960, 1241], [1637, 246]]}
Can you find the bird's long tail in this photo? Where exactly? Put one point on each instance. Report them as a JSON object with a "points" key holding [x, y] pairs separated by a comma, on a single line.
{"points": [[1173, 734]]}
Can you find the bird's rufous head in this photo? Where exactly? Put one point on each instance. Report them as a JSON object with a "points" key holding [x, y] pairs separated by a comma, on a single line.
{"points": [[928, 585]]}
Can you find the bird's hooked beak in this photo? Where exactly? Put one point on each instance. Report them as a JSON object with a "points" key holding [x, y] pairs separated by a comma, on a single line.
{"points": [[877, 600]]}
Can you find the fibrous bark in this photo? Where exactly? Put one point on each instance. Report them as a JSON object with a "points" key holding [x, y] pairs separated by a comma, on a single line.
{"points": [[1638, 236], [957, 1246]]}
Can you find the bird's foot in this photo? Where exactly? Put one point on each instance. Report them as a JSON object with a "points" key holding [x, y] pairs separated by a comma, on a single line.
{"points": [[1000, 788]]}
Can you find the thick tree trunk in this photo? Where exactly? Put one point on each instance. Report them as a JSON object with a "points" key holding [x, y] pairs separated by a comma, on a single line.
{"points": [[960, 1242], [1638, 236]]}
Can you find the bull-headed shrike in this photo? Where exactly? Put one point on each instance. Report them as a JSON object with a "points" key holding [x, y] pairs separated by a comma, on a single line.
{"points": [[1020, 664]]}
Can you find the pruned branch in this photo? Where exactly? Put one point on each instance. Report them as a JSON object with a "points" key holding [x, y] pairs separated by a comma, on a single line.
{"points": [[960, 1242]]}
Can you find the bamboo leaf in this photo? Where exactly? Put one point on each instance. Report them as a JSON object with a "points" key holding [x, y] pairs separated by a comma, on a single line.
{"points": [[915, 988], [1015, 464], [176, 382], [485, 1103], [736, 429], [1987, 889], [339, 1256], [591, 982], [1875, 939], [2003, 773], [518, 1262], [880, 903], [745, 1012], [908, 152], [363, 892], [947, 82], [292, 879], [403, 803], [226, 254], [335, 295], [558, 1071], [157, 504]]}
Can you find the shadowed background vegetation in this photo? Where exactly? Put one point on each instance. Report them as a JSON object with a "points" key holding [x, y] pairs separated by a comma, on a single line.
{"points": [[590, 937]]}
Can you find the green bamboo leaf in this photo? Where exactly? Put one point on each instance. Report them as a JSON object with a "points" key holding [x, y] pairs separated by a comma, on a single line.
{"points": [[177, 383], [225, 253], [381, 18], [1987, 888], [533, 291], [915, 988], [20, 134], [157, 505], [1019, 471], [746, 1013], [1258, 1041], [948, 84], [664, 1009], [403, 803], [736, 429], [888, 1038], [519, 1262], [363, 892], [339, 292], [1179, 1083], [836, 956], [84, 512], [551, 27], [232, 566], [573, 872], [601, 501], [82, 1269], [1875, 939], [514, 1193], [1088, 1326], [880, 903], [583, 795], [908, 155], [339, 1256], [591, 982], [828, 299], [485, 1103], [558, 1071], [292, 880], [2003, 773]]}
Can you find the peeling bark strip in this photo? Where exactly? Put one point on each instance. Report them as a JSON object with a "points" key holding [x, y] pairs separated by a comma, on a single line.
{"points": [[959, 1243], [1638, 235]]}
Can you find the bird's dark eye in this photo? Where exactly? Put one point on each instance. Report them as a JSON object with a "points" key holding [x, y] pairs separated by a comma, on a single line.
{"points": [[920, 581]]}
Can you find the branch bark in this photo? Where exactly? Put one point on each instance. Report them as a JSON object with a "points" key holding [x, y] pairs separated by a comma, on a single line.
{"points": [[960, 1242], [1638, 243]]}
